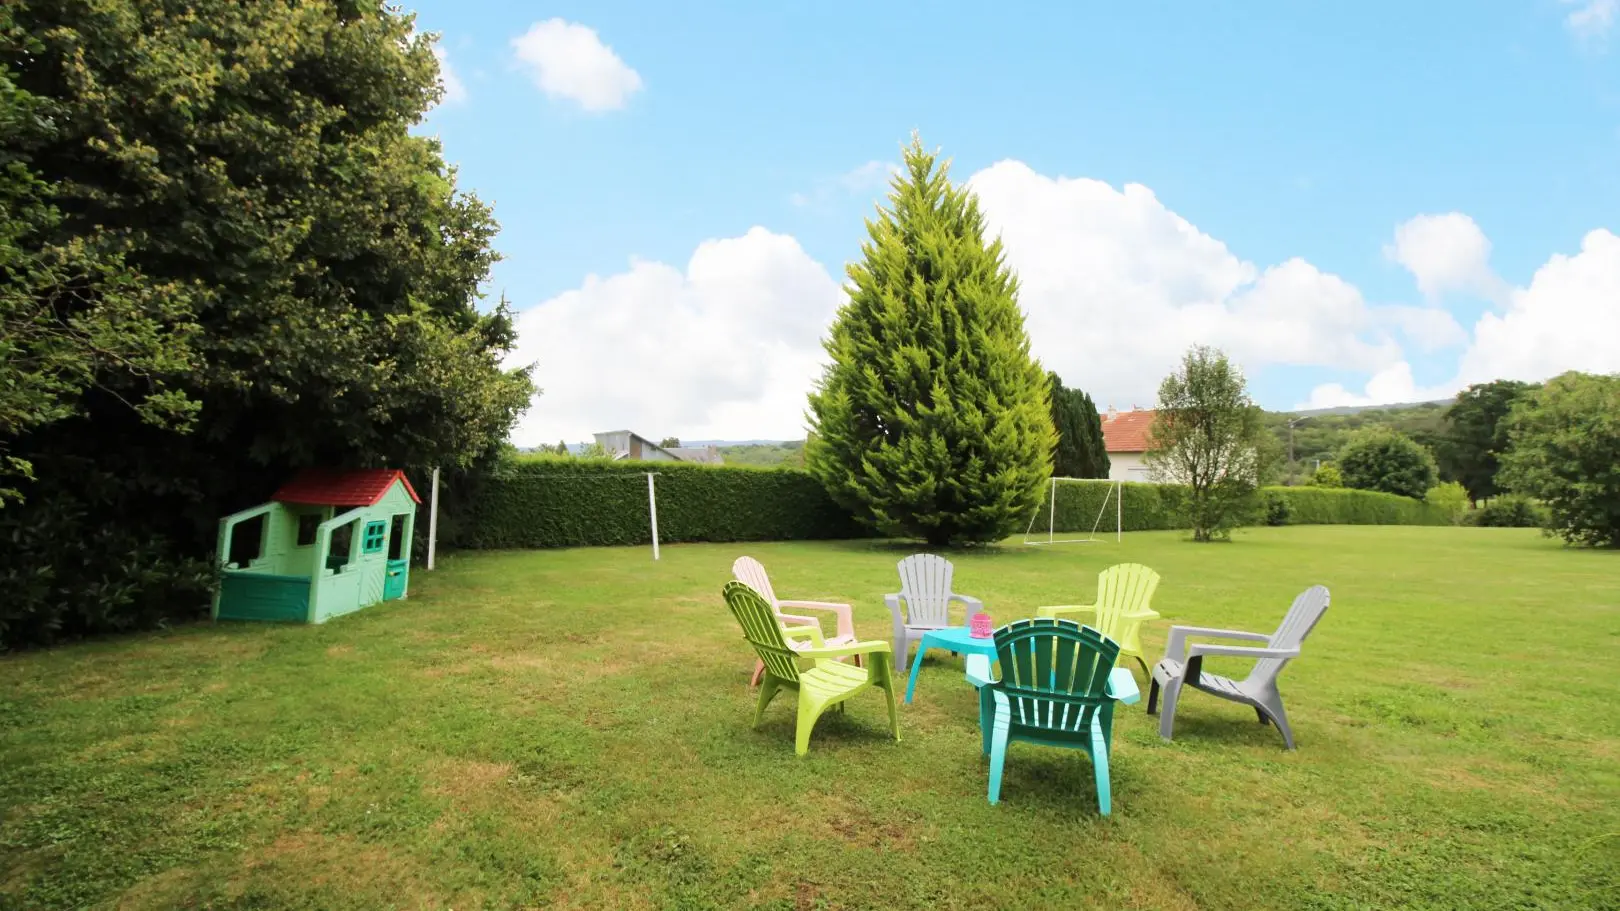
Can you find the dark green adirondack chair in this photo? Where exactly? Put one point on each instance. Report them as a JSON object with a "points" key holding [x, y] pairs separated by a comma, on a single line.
{"points": [[1054, 690], [820, 679]]}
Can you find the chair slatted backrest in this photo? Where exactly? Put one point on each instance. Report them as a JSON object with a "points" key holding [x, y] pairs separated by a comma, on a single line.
{"points": [[1308, 608], [1123, 589], [925, 586], [752, 573], [1054, 672], [761, 629]]}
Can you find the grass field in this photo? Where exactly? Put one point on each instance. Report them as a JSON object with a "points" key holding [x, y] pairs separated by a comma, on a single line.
{"points": [[570, 729]]}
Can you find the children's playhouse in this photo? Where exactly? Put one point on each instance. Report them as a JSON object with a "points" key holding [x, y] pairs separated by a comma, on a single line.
{"points": [[328, 543]]}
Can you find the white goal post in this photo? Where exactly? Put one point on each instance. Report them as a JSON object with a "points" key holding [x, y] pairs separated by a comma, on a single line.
{"points": [[1113, 499]]}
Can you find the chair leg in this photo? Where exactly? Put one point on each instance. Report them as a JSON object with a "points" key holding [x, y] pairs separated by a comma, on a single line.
{"points": [[1167, 713], [1261, 713], [759, 671], [987, 717], [894, 713], [809, 712], [1279, 717], [1147, 672], [998, 753], [1153, 694], [767, 692], [1099, 769]]}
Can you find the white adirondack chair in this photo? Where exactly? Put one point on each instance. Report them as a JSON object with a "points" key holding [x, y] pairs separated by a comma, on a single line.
{"points": [[923, 602], [752, 573], [1183, 664]]}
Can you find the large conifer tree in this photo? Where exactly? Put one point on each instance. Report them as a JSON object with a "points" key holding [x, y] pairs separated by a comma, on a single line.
{"points": [[932, 419], [1080, 451]]}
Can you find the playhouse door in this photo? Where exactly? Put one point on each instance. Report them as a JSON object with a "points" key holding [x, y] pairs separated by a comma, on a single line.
{"points": [[394, 581]]}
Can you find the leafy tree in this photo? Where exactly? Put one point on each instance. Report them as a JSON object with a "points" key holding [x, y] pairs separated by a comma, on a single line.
{"points": [[932, 420], [592, 450], [1565, 452], [669, 442], [1326, 476], [1080, 451], [225, 257], [1451, 497], [561, 448], [1384, 460], [1475, 435], [1209, 436]]}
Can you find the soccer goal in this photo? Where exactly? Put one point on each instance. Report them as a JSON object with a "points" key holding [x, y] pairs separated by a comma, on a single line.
{"points": [[1112, 507]]}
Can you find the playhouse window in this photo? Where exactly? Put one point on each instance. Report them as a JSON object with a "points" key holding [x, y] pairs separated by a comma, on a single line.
{"points": [[308, 526], [376, 535], [247, 541]]}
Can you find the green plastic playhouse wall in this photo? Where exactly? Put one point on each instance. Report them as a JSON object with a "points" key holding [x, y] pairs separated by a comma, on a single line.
{"points": [[307, 582]]}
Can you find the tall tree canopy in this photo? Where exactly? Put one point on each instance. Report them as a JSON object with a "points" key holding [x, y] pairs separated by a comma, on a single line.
{"points": [[932, 420], [231, 259], [1381, 459], [1565, 452], [1080, 451], [1475, 435], [1208, 436]]}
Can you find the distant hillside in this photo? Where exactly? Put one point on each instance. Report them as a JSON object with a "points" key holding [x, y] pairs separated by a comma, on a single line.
{"points": [[1357, 409]]}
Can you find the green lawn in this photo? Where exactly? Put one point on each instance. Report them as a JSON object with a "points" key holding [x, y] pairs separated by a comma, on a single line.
{"points": [[570, 729]]}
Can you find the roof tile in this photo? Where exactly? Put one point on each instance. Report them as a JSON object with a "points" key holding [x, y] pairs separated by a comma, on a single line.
{"points": [[333, 487]]}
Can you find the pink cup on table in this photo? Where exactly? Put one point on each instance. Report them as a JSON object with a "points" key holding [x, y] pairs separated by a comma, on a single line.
{"points": [[980, 627]]}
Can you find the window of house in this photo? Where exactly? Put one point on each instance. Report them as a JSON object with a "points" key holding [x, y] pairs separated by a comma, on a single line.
{"points": [[308, 526], [247, 541], [376, 535], [337, 553]]}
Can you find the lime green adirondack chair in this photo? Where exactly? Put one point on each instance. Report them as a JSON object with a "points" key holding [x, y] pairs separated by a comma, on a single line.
{"points": [[822, 681], [1124, 593]]}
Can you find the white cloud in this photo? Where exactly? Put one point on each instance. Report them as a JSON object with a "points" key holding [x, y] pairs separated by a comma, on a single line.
{"points": [[1445, 253], [1115, 286], [727, 348], [871, 178], [1567, 319], [1429, 328], [568, 60], [1591, 19], [455, 91]]}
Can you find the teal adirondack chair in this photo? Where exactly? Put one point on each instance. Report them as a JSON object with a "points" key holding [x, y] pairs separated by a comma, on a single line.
{"points": [[1054, 690], [821, 680]]}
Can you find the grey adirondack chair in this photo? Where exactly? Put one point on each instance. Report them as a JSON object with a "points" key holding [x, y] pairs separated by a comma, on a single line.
{"points": [[752, 573], [1182, 665], [923, 602]]}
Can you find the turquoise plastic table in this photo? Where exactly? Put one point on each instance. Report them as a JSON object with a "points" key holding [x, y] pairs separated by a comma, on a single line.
{"points": [[954, 638]]}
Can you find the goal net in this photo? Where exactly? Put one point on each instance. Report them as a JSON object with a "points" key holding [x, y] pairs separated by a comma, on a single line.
{"points": [[1078, 511]]}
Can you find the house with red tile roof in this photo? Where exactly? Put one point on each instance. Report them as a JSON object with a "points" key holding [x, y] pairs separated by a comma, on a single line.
{"points": [[1125, 436]]}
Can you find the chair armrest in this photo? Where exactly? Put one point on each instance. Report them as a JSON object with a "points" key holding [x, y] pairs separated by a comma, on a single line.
{"points": [[978, 670], [1122, 687], [1200, 650], [844, 613], [814, 632], [974, 605], [1176, 646], [798, 620], [1057, 610], [869, 647], [893, 603]]}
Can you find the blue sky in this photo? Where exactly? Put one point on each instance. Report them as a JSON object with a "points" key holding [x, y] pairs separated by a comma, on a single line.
{"points": [[679, 186]]}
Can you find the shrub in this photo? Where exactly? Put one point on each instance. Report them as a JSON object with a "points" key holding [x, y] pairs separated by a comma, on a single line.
{"points": [[1344, 506], [1277, 509], [1565, 440], [1384, 460], [545, 501], [1326, 476], [1451, 497], [1509, 511]]}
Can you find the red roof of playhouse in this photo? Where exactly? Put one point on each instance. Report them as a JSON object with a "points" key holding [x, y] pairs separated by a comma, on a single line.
{"points": [[1126, 431], [331, 487]]}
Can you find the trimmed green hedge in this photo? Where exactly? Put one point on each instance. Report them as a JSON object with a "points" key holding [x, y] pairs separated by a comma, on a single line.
{"points": [[561, 502]]}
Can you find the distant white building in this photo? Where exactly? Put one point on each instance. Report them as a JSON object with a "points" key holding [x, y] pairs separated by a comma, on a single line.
{"points": [[1125, 436], [625, 444]]}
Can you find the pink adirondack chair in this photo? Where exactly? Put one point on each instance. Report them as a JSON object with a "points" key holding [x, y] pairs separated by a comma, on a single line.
{"points": [[750, 572]]}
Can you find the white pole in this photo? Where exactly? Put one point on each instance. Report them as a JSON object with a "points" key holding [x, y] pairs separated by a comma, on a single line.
{"points": [[1119, 512], [652, 509], [1051, 520], [433, 519]]}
